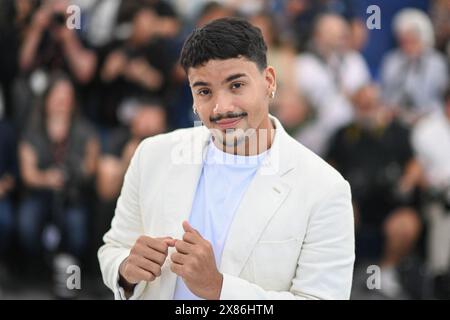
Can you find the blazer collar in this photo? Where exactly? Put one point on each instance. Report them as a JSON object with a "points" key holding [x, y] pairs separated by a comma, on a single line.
{"points": [[263, 198]]}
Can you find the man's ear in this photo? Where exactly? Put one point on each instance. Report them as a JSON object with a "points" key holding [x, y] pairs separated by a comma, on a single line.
{"points": [[271, 81]]}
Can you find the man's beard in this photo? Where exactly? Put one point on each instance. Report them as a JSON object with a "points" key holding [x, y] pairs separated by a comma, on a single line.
{"points": [[366, 122], [231, 137]]}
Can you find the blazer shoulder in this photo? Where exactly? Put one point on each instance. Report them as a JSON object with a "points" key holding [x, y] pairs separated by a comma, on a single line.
{"points": [[314, 168], [169, 140]]}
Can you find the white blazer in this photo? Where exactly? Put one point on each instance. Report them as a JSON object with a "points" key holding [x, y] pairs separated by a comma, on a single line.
{"points": [[291, 238]]}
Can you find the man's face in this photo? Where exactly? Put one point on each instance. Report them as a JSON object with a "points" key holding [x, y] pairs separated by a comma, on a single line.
{"points": [[232, 97], [144, 25], [410, 43], [60, 101], [332, 34], [366, 104]]}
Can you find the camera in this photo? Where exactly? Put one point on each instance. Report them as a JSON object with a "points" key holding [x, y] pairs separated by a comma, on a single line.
{"points": [[58, 19]]}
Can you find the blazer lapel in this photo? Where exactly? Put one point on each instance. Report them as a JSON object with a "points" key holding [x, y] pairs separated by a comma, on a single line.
{"points": [[264, 196]]}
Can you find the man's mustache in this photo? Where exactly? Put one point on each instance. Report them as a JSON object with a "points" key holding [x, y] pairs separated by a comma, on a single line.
{"points": [[228, 115]]}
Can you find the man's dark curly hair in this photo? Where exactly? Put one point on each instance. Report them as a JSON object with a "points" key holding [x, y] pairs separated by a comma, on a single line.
{"points": [[223, 39]]}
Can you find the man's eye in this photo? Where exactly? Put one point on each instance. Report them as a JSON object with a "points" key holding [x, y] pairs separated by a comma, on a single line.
{"points": [[237, 85], [203, 92]]}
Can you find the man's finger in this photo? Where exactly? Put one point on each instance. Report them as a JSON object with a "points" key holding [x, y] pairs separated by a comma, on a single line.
{"points": [[140, 274], [188, 228], [170, 242], [184, 247], [154, 243], [177, 269], [164, 238], [148, 266], [178, 258], [151, 254]]}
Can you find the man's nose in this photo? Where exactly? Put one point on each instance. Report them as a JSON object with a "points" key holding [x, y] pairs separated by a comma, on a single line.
{"points": [[223, 105]]}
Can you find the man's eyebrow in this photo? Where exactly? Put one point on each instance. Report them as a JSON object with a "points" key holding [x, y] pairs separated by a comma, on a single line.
{"points": [[234, 77], [200, 84], [228, 79]]}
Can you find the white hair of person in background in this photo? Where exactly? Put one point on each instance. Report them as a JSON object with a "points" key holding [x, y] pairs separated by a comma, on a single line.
{"points": [[414, 75], [328, 75], [417, 21], [431, 141]]}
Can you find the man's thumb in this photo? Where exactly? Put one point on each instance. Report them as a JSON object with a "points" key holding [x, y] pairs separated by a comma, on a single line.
{"points": [[187, 227]]}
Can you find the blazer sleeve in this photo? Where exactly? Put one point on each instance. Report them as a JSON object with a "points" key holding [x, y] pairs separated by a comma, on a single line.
{"points": [[126, 227], [325, 265]]}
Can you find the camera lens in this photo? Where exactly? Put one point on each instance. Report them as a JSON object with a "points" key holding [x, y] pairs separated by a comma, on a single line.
{"points": [[59, 19]]}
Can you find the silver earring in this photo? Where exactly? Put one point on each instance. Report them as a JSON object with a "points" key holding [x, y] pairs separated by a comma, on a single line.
{"points": [[272, 95]]}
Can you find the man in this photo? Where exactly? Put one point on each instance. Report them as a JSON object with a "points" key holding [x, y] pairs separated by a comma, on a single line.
{"points": [[414, 75], [375, 155], [267, 218], [137, 68], [328, 74]]}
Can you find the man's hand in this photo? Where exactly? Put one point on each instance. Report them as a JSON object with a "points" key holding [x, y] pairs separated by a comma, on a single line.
{"points": [[145, 261], [64, 34], [114, 66], [54, 178], [41, 19], [7, 183], [140, 71], [194, 261]]}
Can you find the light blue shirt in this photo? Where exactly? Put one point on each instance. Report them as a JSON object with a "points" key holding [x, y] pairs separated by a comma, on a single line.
{"points": [[224, 179]]}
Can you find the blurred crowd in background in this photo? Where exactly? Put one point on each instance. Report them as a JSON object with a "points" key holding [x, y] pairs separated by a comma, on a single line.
{"points": [[74, 105]]}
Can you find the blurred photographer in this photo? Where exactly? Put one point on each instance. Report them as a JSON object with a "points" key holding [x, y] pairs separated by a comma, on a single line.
{"points": [[328, 74], [51, 45], [431, 141], [374, 154], [48, 46], [137, 67], [15, 19], [58, 156]]}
